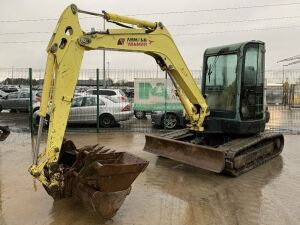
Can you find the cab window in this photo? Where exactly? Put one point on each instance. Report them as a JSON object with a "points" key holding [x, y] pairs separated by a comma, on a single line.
{"points": [[250, 69], [220, 82], [252, 88]]}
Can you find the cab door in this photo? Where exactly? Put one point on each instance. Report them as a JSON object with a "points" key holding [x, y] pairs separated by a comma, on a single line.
{"points": [[252, 83]]}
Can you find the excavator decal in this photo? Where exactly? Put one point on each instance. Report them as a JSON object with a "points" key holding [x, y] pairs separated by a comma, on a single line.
{"points": [[137, 41], [121, 41]]}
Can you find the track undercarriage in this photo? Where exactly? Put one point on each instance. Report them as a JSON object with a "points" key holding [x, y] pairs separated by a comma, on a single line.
{"points": [[216, 152]]}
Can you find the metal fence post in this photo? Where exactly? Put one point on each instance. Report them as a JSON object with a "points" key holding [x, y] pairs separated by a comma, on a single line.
{"points": [[97, 72], [30, 100]]}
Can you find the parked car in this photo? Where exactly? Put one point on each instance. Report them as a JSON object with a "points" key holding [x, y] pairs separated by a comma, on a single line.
{"points": [[109, 92], [10, 88], [168, 120], [16, 101], [84, 111]]}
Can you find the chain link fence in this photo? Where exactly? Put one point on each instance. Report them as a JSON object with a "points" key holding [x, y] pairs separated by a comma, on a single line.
{"points": [[283, 99], [122, 102]]}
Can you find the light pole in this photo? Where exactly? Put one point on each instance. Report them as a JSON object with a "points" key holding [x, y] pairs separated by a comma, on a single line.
{"points": [[104, 75], [12, 75], [107, 70]]}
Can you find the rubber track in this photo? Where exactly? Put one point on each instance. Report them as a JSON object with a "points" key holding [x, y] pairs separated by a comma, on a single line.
{"points": [[242, 146]]}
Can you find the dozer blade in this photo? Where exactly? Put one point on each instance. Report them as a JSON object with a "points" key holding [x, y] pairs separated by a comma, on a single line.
{"points": [[233, 157], [99, 177], [201, 156]]}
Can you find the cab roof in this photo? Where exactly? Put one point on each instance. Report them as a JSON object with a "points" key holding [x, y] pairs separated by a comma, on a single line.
{"points": [[229, 48]]}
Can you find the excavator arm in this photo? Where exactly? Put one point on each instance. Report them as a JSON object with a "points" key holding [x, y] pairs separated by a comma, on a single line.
{"points": [[65, 53]]}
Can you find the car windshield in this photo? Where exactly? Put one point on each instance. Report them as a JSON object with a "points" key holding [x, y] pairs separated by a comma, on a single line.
{"points": [[122, 93], [114, 99]]}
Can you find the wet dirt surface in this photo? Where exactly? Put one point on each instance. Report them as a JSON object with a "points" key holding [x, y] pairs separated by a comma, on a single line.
{"points": [[167, 193]]}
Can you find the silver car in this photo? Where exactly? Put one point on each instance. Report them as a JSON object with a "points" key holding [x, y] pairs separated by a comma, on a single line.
{"points": [[16, 101], [84, 110]]}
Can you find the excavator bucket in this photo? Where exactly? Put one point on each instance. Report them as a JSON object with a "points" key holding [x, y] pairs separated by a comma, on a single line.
{"points": [[200, 156], [99, 177]]}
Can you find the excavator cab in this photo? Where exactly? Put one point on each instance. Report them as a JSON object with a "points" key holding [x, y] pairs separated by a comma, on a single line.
{"points": [[233, 86]]}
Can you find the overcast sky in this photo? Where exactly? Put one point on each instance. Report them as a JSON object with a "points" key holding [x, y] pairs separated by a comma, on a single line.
{"points": [[280, 43]]}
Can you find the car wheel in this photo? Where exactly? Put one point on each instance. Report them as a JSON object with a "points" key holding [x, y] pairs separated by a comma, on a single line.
{"points": [[46, 121], [140, 114], [106, 120], [1, 108], [35, 109], [170, 121]]}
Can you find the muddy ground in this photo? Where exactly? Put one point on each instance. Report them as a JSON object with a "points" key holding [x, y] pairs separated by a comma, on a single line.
{"points": [[167, 193]]}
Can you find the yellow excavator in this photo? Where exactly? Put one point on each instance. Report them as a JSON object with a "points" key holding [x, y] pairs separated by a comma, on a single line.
{"points": [[226, 137]]}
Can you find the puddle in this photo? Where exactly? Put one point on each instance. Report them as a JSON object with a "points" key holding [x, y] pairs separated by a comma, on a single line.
{"points": [[167, 193]]}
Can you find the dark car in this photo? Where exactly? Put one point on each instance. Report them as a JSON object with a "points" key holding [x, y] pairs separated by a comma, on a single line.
{"points": [[168, 120], [10, 88]]}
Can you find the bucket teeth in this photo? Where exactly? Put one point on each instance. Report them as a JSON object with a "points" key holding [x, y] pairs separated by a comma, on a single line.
{"points": [[99, 177]]}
